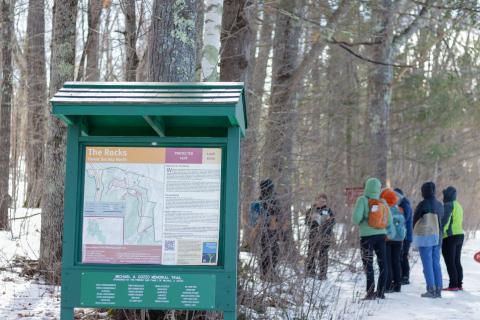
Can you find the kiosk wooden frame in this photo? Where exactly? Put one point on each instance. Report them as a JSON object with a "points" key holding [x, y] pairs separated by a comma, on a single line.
{"points": [[152, 114]]}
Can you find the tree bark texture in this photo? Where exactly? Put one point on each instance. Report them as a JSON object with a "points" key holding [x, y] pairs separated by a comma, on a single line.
{"points": [[92, 72], [36, 100], [90, 52], [379, 89], [62, 69], [235, 41], [381, 79], [255, 89], [199, 23], [172, 41], [280, 128], [211, 39], [128, 7], [6, 8]]}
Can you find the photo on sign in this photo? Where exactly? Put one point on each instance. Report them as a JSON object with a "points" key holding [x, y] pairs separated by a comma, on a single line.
{"points": [[209, 252]]}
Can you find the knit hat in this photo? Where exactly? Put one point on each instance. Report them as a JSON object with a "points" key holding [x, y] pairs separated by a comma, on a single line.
{"points": [[389, 196]]}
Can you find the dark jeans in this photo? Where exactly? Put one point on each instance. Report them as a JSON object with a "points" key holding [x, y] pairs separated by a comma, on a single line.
{"points": [[269, 254], [405, 265], [318, 245], [394, 251], [368, 246], [452, 252]]}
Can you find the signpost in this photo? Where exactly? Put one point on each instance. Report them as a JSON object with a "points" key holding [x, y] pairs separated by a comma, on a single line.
{"points": [[151, 195], [352, 193]]}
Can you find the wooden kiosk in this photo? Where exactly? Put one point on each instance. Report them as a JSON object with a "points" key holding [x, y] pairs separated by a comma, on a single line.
{"points": [[151, 195]]}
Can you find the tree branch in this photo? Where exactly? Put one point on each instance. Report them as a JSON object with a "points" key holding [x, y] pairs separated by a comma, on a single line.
{"points": [[413, 27], [359, 56], [453, 7], [319, 45]]}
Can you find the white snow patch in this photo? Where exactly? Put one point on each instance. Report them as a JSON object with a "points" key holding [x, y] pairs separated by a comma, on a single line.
{"points": [[22, 298]]}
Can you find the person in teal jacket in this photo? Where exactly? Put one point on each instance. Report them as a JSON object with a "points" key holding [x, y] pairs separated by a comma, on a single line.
{"points": [[371, 240], [453, 239]]}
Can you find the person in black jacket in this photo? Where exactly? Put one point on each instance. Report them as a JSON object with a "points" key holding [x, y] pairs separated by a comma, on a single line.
{"points": [[453, 239], [406, 207], [320, 220], [270, 229], [430, 255]]}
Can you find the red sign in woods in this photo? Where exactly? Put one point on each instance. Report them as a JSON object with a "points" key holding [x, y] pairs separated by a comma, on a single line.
{"points": [[352, 193]]}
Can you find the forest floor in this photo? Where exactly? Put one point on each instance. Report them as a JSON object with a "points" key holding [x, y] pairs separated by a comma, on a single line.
{"points": [[23, 295]]}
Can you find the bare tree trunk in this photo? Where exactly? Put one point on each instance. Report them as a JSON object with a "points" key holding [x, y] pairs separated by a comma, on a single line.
{"points": [[94, 13], [128, 8], [18, 126], [172, 39], [235, 41], [381, 78], [62, 69], [6, 8], [211, 40], [199, 23], [235, 52], [36, 101], [90, 52], [379, 88], [255, 90], [280, 128]]}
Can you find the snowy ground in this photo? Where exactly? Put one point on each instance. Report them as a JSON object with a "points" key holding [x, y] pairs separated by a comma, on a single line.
{"points": [[339, 297], [409, 305], [21, 297]]}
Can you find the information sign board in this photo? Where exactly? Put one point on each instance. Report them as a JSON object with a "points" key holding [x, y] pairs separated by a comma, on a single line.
{"points": [[151, 205]]}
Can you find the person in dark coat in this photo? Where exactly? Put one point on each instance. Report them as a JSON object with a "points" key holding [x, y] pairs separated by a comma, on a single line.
{"points": [[430, 254], [320, 220], [453, 239], [270, 229], [406, 208], [395, 237]]}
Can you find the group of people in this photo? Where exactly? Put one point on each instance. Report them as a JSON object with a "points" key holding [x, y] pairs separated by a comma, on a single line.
{"points": [[387, 228], [270, 227]]}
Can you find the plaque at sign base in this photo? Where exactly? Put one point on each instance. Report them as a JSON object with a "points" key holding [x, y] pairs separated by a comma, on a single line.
{"points": [[147, 290]]}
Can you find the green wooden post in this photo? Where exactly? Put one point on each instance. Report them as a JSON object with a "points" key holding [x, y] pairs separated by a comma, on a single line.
{"points": [[70, 209], [66, 313], [231, 221]]}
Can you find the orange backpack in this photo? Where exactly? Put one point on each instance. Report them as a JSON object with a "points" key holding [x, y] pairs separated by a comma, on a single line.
{"points": [[377, 214]]}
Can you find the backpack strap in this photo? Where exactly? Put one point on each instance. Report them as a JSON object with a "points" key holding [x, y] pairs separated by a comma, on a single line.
{"points": [[365, 217]]}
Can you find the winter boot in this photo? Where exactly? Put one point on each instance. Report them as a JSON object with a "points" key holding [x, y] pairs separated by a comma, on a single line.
{"points": [[380, 295], [431, 292], [370, 296], [438, 292]]}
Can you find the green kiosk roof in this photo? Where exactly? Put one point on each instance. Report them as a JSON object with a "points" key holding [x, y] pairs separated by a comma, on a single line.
{"points": [[152, 108]]}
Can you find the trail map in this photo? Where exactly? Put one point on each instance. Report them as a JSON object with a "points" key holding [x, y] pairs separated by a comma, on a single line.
{"points": [[151, 205]]}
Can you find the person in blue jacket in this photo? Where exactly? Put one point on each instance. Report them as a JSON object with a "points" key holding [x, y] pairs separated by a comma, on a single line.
{"points": [[430, 253], [406, 207]]}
